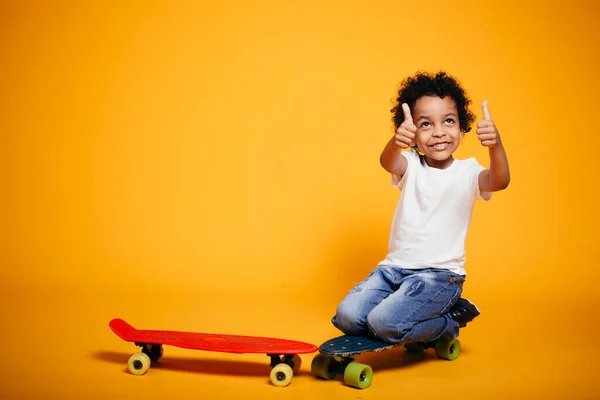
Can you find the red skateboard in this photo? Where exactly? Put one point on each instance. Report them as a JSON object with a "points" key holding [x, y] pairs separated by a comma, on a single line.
{"points": [[285, 360]]}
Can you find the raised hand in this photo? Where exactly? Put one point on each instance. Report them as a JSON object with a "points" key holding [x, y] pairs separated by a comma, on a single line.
{"points": [[486, 130], [497, 176], [405, 134]]}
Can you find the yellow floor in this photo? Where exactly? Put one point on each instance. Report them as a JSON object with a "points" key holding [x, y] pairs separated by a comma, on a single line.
{"points": [[58, 346], [199, 149]]}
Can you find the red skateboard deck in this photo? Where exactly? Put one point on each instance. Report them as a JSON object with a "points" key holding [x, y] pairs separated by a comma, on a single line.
{"points": [[284, 353]]}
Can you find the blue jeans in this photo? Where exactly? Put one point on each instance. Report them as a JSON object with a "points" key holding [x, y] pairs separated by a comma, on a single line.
{"points": [[401, 305]]}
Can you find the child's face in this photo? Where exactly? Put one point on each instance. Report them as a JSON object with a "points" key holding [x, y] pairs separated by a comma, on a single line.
{"points": [[438, 129]]}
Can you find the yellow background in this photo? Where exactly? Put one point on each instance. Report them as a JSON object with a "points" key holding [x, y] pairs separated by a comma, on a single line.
{"points": [[213, 166]]}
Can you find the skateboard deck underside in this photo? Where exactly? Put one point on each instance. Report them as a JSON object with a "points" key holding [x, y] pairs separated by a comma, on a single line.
{"points": [[211, 342]]}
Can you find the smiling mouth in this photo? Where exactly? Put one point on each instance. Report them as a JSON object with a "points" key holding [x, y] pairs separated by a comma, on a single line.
{"points": [[440, 146]]}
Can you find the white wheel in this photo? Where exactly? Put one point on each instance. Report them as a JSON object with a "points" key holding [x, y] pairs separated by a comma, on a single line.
{"points": [[138, 363], [281, 375], [295, 363]]}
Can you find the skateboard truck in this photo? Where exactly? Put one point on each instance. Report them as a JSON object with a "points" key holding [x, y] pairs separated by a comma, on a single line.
{"points": [[289, 359]]}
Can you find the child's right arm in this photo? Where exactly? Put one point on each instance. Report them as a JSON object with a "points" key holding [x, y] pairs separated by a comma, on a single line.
{"points": [[391, 159]]}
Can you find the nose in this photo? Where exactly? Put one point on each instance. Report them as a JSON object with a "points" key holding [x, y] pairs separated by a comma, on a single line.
{"points": [[439, 132]]}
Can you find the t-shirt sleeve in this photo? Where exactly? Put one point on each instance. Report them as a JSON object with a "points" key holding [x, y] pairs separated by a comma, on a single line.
{"points": [[412, 157], [474, 171]]}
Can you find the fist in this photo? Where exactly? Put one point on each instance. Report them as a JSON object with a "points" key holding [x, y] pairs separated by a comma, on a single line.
{"points": [[405, 134], [486, 130]]}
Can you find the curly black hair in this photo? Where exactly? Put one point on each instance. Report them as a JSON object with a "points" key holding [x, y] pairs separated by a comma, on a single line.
{"points": [[440, 85]]}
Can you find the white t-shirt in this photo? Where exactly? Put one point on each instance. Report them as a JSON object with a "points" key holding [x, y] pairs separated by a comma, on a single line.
{"points": [[433, 214]]}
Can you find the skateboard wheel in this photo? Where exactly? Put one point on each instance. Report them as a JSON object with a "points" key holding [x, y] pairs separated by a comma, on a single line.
{"points": [[321, 367], [138, 363], [447, 349], [358, 375], [295, 362], [281, 375]]}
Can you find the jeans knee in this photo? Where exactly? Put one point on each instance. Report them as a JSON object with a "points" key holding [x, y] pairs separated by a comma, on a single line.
{"points": [[379, 324], [349, 321]]}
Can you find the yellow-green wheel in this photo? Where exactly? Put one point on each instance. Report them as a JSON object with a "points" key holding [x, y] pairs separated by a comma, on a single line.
{"points": [[321, 367], [138, 363], [281, 375], [448, 349], [358, 375]]}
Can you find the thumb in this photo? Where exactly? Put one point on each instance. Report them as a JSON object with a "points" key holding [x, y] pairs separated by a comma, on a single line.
{"points": [[486, 112], [407, 114]]}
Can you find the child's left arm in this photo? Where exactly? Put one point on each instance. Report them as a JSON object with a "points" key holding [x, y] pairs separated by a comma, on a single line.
{"points": [[497, 176]]}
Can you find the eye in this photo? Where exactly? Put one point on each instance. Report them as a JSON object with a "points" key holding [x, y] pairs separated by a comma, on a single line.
{"points": [[450, 120], [425, 124]]}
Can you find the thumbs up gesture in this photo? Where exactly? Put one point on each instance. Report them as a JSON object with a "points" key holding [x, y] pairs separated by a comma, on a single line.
{"points": [[405, 134], [486, 130]]}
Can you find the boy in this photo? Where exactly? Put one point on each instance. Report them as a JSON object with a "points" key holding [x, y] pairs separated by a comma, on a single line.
{"points": [[414, 293]]}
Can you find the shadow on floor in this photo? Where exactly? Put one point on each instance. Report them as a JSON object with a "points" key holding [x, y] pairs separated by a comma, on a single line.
{"points": [[237, 366]]}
